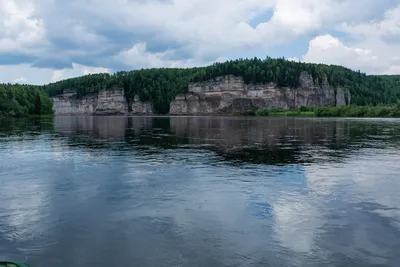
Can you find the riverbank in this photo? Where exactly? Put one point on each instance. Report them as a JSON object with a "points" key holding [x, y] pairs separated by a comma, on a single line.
{"points": [[384, 111], [387, 111]]}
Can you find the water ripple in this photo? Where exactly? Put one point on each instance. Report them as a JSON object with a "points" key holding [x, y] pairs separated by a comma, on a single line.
{"points": [[200, 191]]}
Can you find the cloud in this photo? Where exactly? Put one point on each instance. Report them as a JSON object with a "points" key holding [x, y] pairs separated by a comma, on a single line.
{"points": [[24, 73], [76, 70], [19, 31], [140, 57], [392, 70], [389, 26], [295, 59], [125, 34], [330, 50], [20, 80], [368, 48]]}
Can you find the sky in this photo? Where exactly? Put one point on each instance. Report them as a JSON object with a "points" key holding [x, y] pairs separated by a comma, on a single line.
{"points": [[44, 41]]}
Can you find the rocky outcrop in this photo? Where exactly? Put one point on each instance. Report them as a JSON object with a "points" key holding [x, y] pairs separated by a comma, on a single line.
{"points": [[229, 94], [343, 97], [106, 102], [141, 108], [223, 95], [68, 104], [111, 102]]}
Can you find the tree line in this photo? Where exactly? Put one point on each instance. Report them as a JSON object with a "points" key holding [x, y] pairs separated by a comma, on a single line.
{"points": [[21, 100]]}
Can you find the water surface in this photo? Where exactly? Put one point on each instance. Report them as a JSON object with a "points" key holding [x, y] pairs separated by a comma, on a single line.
{"points": [[200, 191]]}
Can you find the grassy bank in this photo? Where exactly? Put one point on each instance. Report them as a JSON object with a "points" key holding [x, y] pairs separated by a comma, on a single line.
{"points": [[387, 111]]}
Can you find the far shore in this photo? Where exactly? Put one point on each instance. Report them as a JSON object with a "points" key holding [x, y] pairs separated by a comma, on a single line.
{"points": [[383, 111]]}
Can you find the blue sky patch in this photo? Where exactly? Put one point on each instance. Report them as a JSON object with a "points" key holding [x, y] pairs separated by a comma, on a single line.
{"points": [[263, 17]]}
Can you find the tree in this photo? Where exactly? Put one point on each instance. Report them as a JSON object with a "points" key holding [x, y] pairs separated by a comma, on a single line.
{"points": [[38, 105], [24, 99]]}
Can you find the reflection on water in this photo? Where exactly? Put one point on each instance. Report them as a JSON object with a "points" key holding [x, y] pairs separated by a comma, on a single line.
{"points": [[200, 191]]}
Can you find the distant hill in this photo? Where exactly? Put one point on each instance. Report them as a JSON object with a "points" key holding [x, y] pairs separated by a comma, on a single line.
{"points": [[161, 85]]}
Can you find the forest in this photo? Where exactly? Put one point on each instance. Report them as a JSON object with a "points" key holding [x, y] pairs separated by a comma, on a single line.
{"points": [[22, 100], [161, 85]]}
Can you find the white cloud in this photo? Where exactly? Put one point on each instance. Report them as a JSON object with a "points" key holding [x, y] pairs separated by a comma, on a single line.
{"points": [[293, 59], [388, 26], [139, 57], [76, 70], [153, 33], [10, 73], [330, 50], [300, 16], [20, 80], [381, 37], [19, 31], [372, 48], [24, 73]]}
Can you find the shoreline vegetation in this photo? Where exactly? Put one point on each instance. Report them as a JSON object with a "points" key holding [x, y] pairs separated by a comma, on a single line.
{"points": [[380, 111]]}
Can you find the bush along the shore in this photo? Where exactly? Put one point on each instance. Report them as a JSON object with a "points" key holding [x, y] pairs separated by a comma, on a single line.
{"points": [[384, 111]]}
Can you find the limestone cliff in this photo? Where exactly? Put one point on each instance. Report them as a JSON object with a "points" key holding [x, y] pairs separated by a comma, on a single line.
{"points": [[106, 102], [111, 102], [229, 94], [67, 104], [141, 108], [223, 95]]}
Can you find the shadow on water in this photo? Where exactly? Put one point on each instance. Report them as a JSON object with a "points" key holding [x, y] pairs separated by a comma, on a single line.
{"points": [[247, 140], [25, 126], [254, 140]]}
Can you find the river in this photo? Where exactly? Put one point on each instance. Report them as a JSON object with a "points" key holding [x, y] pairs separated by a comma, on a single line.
{"points": [[200, 191]]}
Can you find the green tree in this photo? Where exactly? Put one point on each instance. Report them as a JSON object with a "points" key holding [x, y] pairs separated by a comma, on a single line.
{"points": [[19, 100], [38, 105]]}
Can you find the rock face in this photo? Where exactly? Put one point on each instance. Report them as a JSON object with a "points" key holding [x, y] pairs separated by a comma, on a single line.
{"points": [[111, 102], [229, 94], [223, 95], [141, 108], [106, 102]]}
